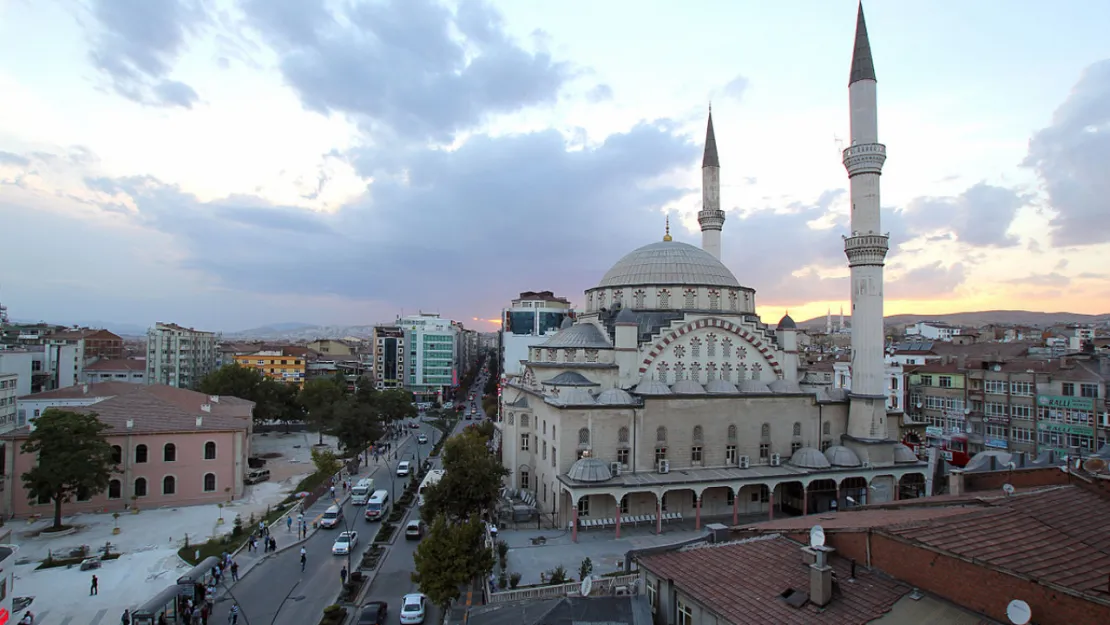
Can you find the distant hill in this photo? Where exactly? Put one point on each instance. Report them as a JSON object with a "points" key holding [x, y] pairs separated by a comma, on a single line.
{"points": [[982, 318], [301, 332]]}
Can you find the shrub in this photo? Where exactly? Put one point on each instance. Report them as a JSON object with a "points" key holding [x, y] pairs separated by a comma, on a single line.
{"points": [[514, 580], [586, 568], [557, 575]]}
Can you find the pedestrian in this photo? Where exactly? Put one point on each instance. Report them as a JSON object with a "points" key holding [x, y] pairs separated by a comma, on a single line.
{"points": [[216, 575], [303, 559], [289, 523], [262, 527], [94, 589], [333, 491], [233, 615], [343, 575], [234, 571], [273, 544], [126, 618], [204, 613]]}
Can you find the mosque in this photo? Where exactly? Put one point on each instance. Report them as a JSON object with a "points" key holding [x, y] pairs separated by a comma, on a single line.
{"points": [[668, 398]]}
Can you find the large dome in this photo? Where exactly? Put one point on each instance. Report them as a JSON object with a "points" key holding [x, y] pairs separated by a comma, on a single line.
{"points": [[669, 262]]}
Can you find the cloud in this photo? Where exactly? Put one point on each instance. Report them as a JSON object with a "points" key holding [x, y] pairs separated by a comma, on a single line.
{"points": [[137, 43], [1070, 157], [736, 88], [980, 216], [600, 93], [1053, 279], [932, 281], [7, 158], [399, 67]]}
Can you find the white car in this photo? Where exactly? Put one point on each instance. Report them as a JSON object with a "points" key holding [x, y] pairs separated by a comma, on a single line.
{"points": [[344, 544], [413, 608], [404, 468]]}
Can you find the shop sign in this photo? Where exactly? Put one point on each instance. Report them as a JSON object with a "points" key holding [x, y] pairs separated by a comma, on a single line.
{"points": [[934, 431], [1064, 428], [1066, 403], [996, 443]]}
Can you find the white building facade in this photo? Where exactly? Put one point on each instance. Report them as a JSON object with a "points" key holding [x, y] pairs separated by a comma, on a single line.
{"points": [[895, 382], [179, 356], [8, 384], [430, 359], [42, 367], [530, 320], [932, 331]]}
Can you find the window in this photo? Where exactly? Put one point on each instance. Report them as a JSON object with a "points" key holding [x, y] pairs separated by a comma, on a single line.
{"points": [[698, 433], [660, 434], [794, 447], [732, 432], [525, 480], [584, 436], [622, 457], [624, 505], [209, 482], [660, 453], [1021, 411], [826, 428], [523, 420], [765, 430], [926, 380], [554, 455], [210, 450], [1088, 390], [695, 455], [1068, 389], [946, 381], [169, 485], [652, 595], [545, 450], [140, 487], [524, 442], [731, 456], [764, 451], [996, 431], [685, 613], [797, 429], [1022, 389], [622, 435], [140, 454], [1022, 435], [995, 387], [115, 489], [584, 506], [169, 453], [117, 454]]}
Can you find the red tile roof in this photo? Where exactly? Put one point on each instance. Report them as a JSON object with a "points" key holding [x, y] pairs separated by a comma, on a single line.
{"points": [[742, 581], [861, 518], [118, 364]]}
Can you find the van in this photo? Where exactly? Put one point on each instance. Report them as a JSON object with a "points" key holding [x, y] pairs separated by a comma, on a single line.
{"points": [[378, 506], [360, 493], [257, 475], [333, 516]]}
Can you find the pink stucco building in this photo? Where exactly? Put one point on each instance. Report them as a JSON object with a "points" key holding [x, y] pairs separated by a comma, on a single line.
{"points": [[174, 446]]}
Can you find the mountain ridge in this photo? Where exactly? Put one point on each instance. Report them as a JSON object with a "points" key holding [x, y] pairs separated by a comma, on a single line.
{"points": [[981, 318]]}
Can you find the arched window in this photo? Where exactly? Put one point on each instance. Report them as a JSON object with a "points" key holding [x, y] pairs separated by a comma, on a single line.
{"points": [[622, 435], [584, 436], [209, 482], [797, 429], [117, 454], [169, 485], [660, 434], [765, 431], [732, 432], [115, 489], [140, 487], [524, 420], [827, 428], [697, 434], [210, 450], [169, 453], [140, 455]]}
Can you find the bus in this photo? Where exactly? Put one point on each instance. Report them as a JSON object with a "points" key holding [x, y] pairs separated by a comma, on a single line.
{"points": [[434, 476], [360, 492]]}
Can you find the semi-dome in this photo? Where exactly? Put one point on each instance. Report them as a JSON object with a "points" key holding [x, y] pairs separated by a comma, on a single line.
{"points": [[570, 378], [652, 387], [903, 455], [840, 456], [809, 458], [615, 397], [687, 387], [669, 262], [754, 386], [590, 470], [578, 336], [721, 387]]}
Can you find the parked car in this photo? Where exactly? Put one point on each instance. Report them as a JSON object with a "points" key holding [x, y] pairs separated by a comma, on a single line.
{"points": [[373, 613], [422, 439], [344, 543], [404, 468], [414, 530], [413, 608]]}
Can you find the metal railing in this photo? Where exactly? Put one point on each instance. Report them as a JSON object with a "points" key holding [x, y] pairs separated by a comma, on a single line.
{"points": [[602, 586]]}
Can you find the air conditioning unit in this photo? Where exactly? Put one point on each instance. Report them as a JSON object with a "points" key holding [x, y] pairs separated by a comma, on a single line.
{"points": [[745, 462], [776, 460], [615, 468], [664, 466]]}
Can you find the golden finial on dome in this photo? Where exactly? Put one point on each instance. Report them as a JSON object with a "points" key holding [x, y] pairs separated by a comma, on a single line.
{"points": [[667, 235]]}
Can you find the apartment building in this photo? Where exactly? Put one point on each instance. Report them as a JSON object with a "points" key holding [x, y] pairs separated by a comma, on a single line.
{"points": [[8, 383], [530, 320], [388, 357], [937, 399], [430, 368], [131, 370], [92, 344], [42, 367], [179, 356], [284, 364], [330, 347], [933, 331]]}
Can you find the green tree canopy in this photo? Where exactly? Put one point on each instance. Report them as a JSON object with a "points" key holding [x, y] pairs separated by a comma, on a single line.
{"points": [[74, 457], [451, 556], [396, 404], [471, 481], [357, 424], [274, 400], [325, 462], [319, 399]]}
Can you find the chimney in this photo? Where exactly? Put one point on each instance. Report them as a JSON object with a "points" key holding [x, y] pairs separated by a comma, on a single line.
{"points": [[130, 424], [215, 399], [206, 407], [956, 483], [200, 421], [961, 361], [821, 577]]}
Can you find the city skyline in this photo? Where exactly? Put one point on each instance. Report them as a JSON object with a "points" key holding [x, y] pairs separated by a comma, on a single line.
{"points": [[239, 164]]}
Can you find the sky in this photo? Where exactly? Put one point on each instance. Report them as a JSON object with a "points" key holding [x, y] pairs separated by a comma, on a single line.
{"points": [[228, 164]]}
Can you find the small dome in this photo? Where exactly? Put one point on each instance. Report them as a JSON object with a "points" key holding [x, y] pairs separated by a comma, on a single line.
{"points": [[721, 387], [809, 458], [570, 378], [615, 397], [784, 386], [840, 456], [590, 470], [652, 387], [567, 324], [574, 396], [626, 316], [582, 335], [754, 386], [786, 323], [904, 455], [687, 387]]}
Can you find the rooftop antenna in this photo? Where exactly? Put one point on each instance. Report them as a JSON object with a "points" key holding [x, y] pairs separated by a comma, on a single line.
{"points": [[1019, 612]]}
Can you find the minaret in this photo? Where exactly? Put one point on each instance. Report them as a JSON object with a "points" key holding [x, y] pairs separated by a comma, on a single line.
{"points": [[711, 217], [842, 327], [828, 321], [866, 248]]}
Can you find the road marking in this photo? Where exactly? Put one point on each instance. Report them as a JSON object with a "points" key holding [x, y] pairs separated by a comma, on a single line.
{"points": [[99, 615]]}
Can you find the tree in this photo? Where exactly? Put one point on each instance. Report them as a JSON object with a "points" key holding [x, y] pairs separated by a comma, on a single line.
{"points": [[319, 399], [274, 400], [450, 556], [325, 462], [471, 481], [73, 457], [396, 404], [357, 424]]}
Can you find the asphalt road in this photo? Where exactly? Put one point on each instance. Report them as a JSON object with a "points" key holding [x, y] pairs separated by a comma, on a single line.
{"points": [[260, 593]]}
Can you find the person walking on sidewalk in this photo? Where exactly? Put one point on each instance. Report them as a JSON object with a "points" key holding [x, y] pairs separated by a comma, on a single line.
{"points": [[343, 575], [234, 571], [126, 618], [233, 615], [95, 588], [289, 523]]}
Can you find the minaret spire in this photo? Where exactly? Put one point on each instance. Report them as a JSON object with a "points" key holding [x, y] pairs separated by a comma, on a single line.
{"points": [[711, 217], [667, 232], [863, 65]]}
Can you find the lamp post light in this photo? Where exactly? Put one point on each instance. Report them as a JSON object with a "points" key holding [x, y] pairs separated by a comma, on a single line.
{"points": [[287, 598]]}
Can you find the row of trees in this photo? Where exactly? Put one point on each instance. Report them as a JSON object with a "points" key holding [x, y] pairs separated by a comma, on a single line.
{"points": [[357, 418]]}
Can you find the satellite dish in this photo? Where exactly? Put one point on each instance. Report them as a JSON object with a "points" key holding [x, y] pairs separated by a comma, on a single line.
{"points": [[919, 405], [587, 586], [1008, 489], [1094, 465], [1019, 612], [817, 536]]}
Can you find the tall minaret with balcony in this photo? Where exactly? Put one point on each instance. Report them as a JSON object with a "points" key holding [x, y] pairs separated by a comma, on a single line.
{"points": [[866, 248], [711, 217]]}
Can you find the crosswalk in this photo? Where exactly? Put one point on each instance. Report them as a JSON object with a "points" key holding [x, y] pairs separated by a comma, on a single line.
{"points": [[43, 618]]}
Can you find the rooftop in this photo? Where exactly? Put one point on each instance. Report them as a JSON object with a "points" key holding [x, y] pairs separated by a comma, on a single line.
{"points": [[118, 364]]}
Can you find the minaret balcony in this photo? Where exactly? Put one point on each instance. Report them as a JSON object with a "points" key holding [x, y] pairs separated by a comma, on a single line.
{"points": [[864, 158], [711, 219], [866, 249]]}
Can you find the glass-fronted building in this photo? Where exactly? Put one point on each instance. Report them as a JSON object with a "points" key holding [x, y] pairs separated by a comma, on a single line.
{"points": [[430, 368]]}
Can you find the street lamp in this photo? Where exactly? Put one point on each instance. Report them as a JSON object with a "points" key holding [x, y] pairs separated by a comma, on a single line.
{"points": [[297, 598]]}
